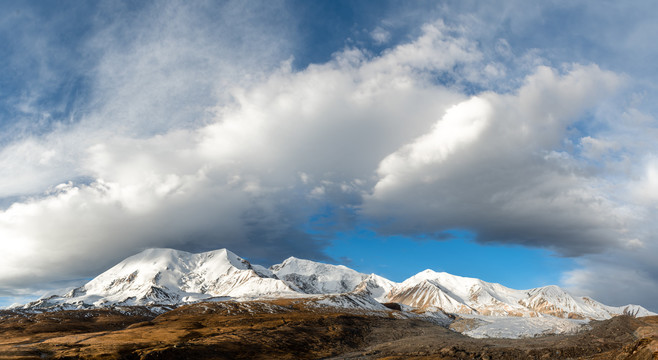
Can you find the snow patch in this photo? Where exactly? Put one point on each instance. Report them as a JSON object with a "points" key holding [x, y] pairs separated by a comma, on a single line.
{"points": [[520, 327]]}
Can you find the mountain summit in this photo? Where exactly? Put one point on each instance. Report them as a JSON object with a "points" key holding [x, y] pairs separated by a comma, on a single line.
{"points": [[167, 277], [172, 277]]}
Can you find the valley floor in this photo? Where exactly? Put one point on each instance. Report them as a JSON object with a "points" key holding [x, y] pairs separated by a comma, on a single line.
{"points": [[287, 329]]}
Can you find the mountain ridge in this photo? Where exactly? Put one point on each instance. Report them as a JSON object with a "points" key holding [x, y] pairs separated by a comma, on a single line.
{"points": [[168, 277]]}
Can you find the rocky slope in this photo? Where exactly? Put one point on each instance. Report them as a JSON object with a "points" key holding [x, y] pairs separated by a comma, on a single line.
{"points": [[168, 278], [462, 295], [294, 329]]}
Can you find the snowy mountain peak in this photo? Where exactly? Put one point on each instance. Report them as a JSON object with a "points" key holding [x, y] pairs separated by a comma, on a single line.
{"points": [[467, 295], [426, 294], [376, 286], [173, 277], [312, 277], [293, 264], [429, 274], [233, 259], [168, 259], [425, 274], [167, 276]]}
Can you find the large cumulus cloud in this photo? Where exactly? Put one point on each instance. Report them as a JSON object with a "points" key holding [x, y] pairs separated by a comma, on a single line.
{"points": [[198, 131], [248, 177], [499, 165]]}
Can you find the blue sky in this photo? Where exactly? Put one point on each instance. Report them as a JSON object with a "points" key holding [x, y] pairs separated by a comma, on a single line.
{"points": [[512, 141], [398, 258]]}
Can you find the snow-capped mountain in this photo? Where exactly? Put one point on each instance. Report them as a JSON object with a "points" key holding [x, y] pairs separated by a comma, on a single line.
{"points": [[312, 277], [376, 286], [171, 277], [463, 295], [458, 294]]}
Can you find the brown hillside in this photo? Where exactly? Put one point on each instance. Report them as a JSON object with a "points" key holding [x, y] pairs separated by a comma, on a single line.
{"points": [[287, 329]]}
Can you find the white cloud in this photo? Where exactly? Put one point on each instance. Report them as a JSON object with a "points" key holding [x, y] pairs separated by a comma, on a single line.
{"points": [[31, 165], [231, 180], [596, 149], [619, 277], [483, 167], [197, 133], [645, 189], [461, 126], [380, 35]]}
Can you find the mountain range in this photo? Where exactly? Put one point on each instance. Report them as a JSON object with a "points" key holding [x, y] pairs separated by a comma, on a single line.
{"points": [[168, 278]]}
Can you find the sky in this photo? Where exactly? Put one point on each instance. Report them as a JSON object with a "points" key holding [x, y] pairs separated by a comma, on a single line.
{"points": [[512, 141]]}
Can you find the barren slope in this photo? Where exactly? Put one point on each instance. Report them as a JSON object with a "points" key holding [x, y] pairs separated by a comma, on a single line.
{"points": [[293, 329]]}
